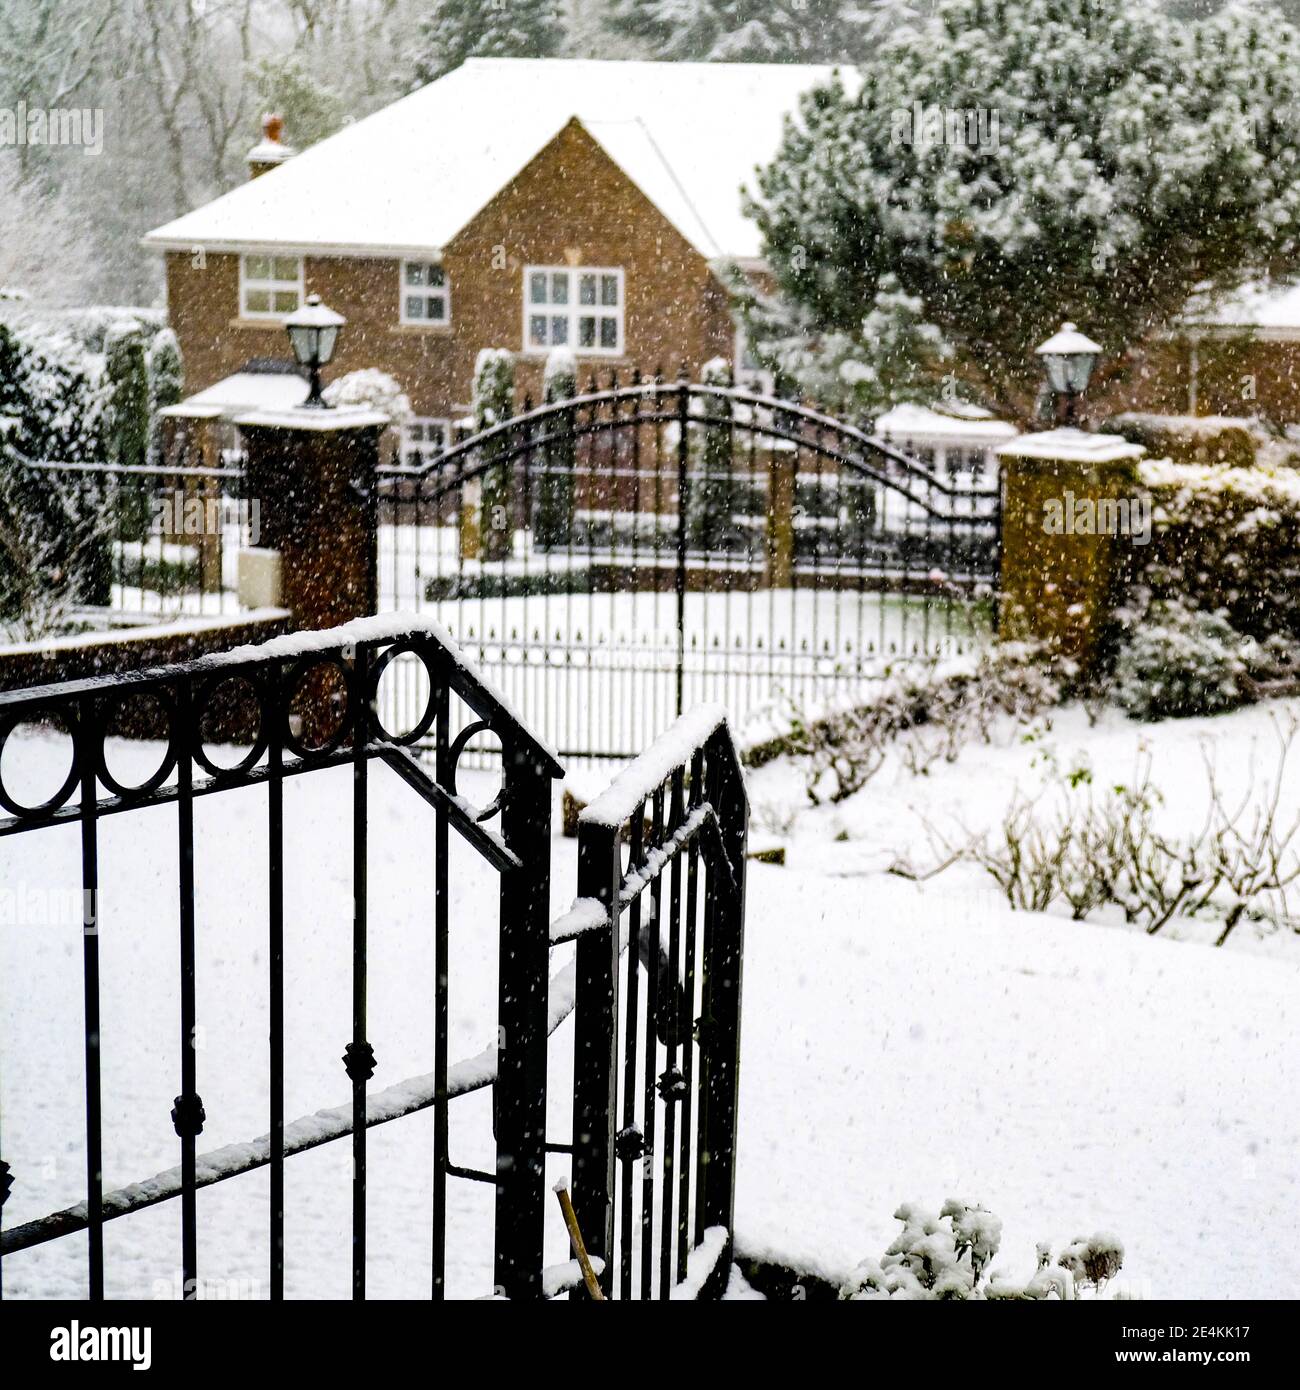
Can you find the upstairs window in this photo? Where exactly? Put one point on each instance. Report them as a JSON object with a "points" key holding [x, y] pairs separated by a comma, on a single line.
{"points": [[580, 309], [424, 439], [269, 286], [426, 298]]}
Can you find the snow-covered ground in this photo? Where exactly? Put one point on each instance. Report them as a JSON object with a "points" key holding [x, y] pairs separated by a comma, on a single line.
{"points": [[901, 1040]]}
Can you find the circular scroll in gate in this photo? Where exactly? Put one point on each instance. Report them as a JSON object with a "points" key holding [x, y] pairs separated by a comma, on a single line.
{"points": [[232, 726], [38, 762], [318, 712], [403, 689], [458, 746], [133, 724]]}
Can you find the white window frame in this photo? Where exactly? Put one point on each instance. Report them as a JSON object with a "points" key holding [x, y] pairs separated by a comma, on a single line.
{"points": [[572, 311], [247, 282], [426, 292], [410, 451]]}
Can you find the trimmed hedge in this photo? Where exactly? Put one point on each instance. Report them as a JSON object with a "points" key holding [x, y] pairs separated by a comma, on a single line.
{"points": [[1223, 540]]}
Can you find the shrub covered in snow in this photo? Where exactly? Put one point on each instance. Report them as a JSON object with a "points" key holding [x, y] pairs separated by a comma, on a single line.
{"points": [[711, 499], [1223, 539], [55, 392], [1179, 661], [946, 1256], [1089, 849], [373, 389], [553, 522], [127, 422], [928, 712], [1219, 440], [494, 395]]}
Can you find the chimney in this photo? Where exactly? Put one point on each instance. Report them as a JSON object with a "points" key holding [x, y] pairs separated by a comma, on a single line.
{"points": [[269, 151]]}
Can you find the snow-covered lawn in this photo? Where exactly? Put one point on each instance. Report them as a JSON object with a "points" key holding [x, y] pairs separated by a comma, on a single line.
{"points": [[901, 1040]]}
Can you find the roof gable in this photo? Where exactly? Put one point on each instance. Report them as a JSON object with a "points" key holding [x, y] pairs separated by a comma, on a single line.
{"points": [[409, 177]]}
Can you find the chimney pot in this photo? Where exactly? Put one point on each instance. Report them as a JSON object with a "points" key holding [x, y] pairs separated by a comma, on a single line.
{"points": [[271, 151]]}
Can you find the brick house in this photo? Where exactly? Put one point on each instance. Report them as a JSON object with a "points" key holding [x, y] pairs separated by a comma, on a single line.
{"points": [[1238, 358], [516, 203]]}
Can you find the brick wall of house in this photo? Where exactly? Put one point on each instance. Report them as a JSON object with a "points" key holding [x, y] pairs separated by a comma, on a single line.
{"points": [[571, 205], [1234, 376]]}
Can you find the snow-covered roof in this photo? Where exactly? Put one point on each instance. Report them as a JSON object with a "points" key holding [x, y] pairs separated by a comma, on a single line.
{"points": [[1271, 310], [919, 421], [244, 391], [409, 177]]}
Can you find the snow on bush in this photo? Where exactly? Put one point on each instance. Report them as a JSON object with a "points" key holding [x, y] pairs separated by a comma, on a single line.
{"points": [[553, 515], [494, 396], [373, 389], [927, 711], [560, 375], [1068, 844], [1223, 539], [1179, 661], [945, 1256]]}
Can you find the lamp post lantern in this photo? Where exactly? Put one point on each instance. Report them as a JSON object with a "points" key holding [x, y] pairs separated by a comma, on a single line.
{"points": [[313, 334], [1069, 358]]}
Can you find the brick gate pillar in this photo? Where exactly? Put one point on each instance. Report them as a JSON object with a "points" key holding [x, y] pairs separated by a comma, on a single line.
{"points": [[783, 465], [1061, 550], [312, 475]]}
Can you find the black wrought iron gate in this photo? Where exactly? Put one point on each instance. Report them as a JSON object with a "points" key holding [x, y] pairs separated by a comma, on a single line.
{"points": [[618, 556], [301, 705], [661, 881], [661, 857]]}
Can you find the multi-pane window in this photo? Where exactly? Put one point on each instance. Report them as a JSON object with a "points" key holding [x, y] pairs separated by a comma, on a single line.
{"points": [[269, 286], [426, 297], [578, 308], [423, 439]]}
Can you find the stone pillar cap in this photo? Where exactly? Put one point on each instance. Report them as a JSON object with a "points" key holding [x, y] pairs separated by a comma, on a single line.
{"points": [[1072, 446], [297, 418]]}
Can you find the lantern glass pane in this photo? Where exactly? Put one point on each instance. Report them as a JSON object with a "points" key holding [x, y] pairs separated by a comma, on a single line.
{"points": [[1080, 369], [303, 341], [328, 338]]}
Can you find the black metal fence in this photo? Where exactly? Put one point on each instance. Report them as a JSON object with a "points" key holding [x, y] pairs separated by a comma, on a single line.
{"points": [[126, 544], [661, 876], [621, 555], [300, 705], [661, 867]]}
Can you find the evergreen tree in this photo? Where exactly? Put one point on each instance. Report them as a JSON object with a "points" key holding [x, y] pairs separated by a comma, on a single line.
{"points": [[166, 382], [126, 367], [494, 394], [53, 532], [287, 83], [455, 30], [711, 498], [747, 31], [554, 521], [1119, 159]]}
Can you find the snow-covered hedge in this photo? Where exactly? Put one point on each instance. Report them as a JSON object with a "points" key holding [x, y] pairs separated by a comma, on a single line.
{"points": [[75, 386], [1205, 439], [1223, 539]]}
